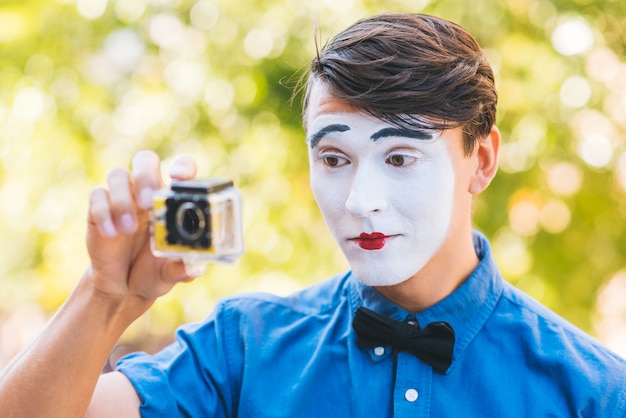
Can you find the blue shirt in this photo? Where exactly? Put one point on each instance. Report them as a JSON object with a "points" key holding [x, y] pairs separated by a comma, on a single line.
{"points": [[267, 356]]}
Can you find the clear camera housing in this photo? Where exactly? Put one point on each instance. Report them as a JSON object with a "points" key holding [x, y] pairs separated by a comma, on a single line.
{"points": [[197, 221]]}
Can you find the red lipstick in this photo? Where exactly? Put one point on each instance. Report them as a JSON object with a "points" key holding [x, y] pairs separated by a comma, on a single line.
{"points": [[373, 241]]}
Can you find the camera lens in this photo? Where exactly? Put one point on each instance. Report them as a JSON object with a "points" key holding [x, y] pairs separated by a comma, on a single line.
{"points": [[190, 221]]}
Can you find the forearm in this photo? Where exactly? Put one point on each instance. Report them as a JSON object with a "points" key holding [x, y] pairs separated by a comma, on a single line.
{"points": [[57, 373]]}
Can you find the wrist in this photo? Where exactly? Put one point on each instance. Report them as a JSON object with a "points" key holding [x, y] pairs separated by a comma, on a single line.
{"points": [[116, 308]]}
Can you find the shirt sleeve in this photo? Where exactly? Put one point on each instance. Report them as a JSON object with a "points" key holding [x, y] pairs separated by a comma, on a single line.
{"points": [[190, 377]]}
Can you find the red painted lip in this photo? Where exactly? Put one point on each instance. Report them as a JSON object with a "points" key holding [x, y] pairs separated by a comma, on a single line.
{"points": [[373, 241]]}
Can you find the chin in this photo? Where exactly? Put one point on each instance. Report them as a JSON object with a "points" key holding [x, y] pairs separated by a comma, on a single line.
{"points": [[380, 277], [385, 268]]}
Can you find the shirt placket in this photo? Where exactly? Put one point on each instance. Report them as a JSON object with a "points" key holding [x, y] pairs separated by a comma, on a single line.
{"points": [[412, 387]]}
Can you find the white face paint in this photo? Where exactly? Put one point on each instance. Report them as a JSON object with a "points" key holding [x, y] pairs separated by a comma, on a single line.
{"points": [[386, 194]]}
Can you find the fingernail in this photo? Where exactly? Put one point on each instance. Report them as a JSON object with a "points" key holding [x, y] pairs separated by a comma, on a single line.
{"points": [[194, 268], [108, 229], [145, 198], [178, 171], [127, 224]]}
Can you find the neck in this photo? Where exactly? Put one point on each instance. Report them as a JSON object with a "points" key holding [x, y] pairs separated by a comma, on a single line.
{"points": [[448, 269]]}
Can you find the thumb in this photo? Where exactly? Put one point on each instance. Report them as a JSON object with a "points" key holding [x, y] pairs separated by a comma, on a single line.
{"points": [[183, 167]]}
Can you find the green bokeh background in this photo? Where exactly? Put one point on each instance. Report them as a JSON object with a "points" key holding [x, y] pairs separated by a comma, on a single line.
{"points": [[84, 84]]}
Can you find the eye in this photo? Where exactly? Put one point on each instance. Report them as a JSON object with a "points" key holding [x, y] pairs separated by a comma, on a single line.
{"points": [[333, 161], [331, 157], [399, 160]]}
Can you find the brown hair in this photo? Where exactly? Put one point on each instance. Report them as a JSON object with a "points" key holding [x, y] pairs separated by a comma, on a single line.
{"points": [[411, 70]]}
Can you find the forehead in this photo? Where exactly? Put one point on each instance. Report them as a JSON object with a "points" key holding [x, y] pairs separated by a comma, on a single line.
{"points": [[327, 114], [322, 102], [326, 111]]}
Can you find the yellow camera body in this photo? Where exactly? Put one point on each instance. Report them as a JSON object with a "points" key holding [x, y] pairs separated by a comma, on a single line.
{"points": [[197, 220]]}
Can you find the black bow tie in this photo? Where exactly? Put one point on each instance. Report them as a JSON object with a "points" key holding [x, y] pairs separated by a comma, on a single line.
{"points": [[433, 344]]}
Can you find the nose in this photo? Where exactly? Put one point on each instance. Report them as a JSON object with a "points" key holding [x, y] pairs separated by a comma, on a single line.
{"points": [[368, 194]]}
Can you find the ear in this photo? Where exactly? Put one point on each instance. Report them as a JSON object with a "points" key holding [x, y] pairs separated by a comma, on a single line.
{"points": [[487, 161]]}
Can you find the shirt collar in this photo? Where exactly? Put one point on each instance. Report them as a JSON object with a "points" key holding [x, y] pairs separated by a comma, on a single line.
{"points": [[466, 309]]}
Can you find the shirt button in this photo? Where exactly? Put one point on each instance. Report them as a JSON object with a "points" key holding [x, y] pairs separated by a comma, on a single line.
{"points": [[379, 351], [411, 395]]}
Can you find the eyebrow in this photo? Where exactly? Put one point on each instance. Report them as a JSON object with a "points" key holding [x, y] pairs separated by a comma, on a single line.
{"points": [[399, 132], [314, 139]]}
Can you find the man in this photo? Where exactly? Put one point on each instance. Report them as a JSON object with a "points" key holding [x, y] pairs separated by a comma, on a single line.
{"points": [[399, 114]]}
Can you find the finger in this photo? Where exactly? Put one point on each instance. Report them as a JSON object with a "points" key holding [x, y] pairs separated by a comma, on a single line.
{"points": [[146, 168], [183, 167], [174, 271], [195, 268], [100, 213], [121, 201], [171, 272]]}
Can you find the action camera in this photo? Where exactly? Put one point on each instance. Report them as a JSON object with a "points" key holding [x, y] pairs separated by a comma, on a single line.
{"points": [[197, 220]]}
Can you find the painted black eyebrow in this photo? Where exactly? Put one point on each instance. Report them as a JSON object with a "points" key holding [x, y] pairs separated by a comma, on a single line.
{"points": [[314, 139], [399, 132]]}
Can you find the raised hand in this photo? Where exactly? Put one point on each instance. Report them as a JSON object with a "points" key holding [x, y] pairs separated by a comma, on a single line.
{"points": [[122, 266], [58, 373], [118, 239]]}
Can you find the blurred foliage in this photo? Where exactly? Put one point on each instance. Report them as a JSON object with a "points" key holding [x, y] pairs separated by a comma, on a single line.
{"points": [[84, 84]]}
